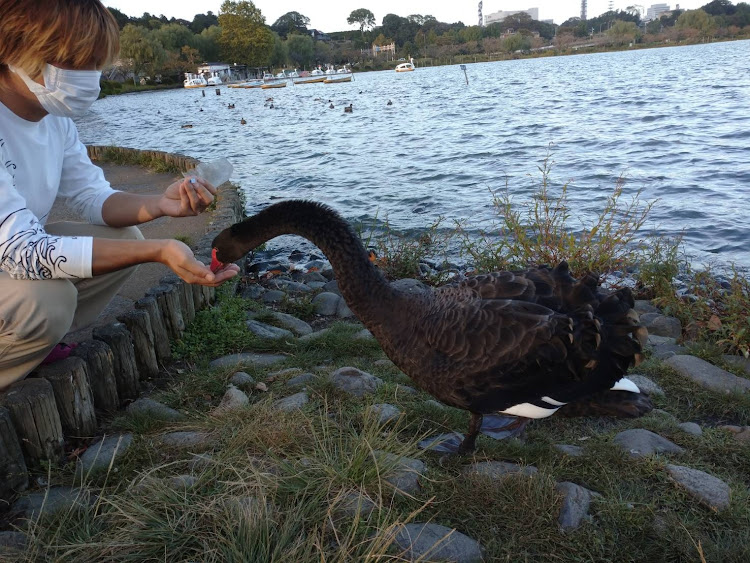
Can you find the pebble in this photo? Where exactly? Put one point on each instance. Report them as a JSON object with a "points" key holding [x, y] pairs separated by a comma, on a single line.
{"points": [[297, 326], [353, 505], [233, 399], [709, 490], [691, 428], [242, 380], [291, 403], [385, 412], [101, 453], [433, 542], [355, 382], [405, 473], [301, 379], [575, 505], [273, 296], [263, 330], [573, 451], [326, 303], [154, 409]]}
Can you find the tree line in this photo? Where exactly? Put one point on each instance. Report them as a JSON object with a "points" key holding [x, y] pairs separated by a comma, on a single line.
{"points": [[154, 45]]}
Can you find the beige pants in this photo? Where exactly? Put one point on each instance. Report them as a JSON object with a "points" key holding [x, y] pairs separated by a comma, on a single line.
{"points": [[36, 314]]}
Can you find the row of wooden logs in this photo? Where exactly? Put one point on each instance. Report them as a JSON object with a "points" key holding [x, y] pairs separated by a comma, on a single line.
{"points": [[61, 400]]}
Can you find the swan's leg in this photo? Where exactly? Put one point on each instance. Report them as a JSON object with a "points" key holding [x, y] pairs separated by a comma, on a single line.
{"points": [[469, 444], [620, 404], [501, 427]]}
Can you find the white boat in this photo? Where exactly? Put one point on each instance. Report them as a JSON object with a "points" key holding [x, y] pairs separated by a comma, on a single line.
{"points": [[311, 77], [214, 81], [406, 67], [249, 84], [194, 81], [271, 81], [342, 75]]}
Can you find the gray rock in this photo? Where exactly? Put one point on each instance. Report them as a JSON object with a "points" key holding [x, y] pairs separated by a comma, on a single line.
{"points": [[233, 399], [182, 481], [364, 334], [273, 376], [293, 402], [646, 385], [354, 505], [738, 361], [691, 428], [316, 285], [385, 412], [327, 273], [242, 380], [708, 375], [12, 540], [187, 439], [409, 285], [297, 326], [709, 490], [434, 403], [314, 335], [661, 325], [664, 351], [289, 286], [655, 340], [99, 454], [253, 291], [314, 277], [575, 505], [406, 389], [301, 379], [273, 296], [641, 443], [498, 470], [326, 303], [154, 409], [436, 442], [642, 306], [404, 477], [432, 542], [247, 359], [355, 382], [343, 311], [263, 330], [573, 451], [52, 501], [332, 287]]}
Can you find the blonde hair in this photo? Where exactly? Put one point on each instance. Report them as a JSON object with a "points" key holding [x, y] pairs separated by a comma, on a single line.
{"points": [[74, 33]]}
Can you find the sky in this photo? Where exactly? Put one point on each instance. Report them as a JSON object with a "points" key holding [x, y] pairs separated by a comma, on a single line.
{"points": [[330, 15]]}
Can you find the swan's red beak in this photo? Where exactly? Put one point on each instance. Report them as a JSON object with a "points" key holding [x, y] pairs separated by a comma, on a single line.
{"points": [[215, 264]]}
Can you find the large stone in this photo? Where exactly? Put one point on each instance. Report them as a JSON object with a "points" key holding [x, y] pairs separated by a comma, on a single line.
{"points": [[691, 428], [575, 505], [646, 385], [233, 399], [642, 306], [641, 443], [314, 335], [661, 325], [52, 501], [263, 330], [709, 490], [708, 375], [354, 505], [99, 454], [572, 451], [385, 412], [291, 403], [289, 286], [297, 326], [301, 379], [326, 303], [404, 477], [343, 311], [355, 382], [273, 296], [246, 359], [154, 409], [242, 380], [432, 542], [664, 351], [498, 470]]}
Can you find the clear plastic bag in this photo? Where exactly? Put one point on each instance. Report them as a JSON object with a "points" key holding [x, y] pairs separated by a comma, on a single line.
{"points": [[215, 172]]}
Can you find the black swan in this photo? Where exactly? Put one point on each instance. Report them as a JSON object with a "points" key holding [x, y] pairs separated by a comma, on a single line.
{"points": [[523, 343]]}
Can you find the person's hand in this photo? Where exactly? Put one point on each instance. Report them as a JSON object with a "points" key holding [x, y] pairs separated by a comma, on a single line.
{"points": [[187, 197], [180, 259]]}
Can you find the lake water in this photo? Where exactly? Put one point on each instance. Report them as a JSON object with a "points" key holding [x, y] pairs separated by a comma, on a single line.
{"points": [[674, 121]]}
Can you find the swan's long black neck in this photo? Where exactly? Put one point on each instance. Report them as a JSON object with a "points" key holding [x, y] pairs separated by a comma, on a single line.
{"points": [[359, 280]]}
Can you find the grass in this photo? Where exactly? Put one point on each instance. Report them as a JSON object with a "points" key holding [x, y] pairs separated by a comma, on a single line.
{"points": [[142, 158], [275, 486]]}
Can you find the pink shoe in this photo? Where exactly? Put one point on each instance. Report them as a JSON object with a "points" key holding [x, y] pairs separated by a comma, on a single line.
{"points": [[59, 352]]}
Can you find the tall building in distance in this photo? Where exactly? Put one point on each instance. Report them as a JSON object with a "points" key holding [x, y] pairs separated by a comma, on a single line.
{"points": [[500, 16], [656, 10], [481, 19], [583, 10]]}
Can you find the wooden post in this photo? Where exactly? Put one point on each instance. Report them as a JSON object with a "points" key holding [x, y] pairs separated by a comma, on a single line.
{"points": [[198, 300], [169, 303], [117, 337], [139, 325], [75, 402], [31, 404], [158, 327], [14, 476], [100, 366], [185, 293]]}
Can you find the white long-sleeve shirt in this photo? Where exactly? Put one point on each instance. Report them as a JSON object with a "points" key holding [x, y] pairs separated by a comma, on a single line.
{"points": [[40, 160]]}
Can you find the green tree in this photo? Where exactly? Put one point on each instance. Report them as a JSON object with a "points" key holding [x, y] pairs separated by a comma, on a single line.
{"points": [[362, 16], [278, 52], [516, 42], [174, 36], [207, 43], [300, 50], [698, 20], [719, 8], [122, 19], [624, 32], [142, 49], [203, 21], [291, 22], [245, 37]]}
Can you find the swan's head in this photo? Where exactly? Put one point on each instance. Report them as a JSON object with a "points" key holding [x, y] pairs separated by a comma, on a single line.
{"points": [[227, 248]]}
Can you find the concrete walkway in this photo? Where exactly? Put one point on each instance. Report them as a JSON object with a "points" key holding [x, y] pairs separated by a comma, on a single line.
{"points": [[189, 229]]}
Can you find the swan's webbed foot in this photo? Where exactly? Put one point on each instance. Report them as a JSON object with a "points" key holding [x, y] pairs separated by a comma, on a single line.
{"points": [[620, 404]]}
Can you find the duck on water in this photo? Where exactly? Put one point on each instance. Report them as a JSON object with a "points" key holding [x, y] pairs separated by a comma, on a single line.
{"points": [[522, 344]]}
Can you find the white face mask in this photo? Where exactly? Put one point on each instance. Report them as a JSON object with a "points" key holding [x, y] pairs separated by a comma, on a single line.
{"points": [[66, 93]]}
